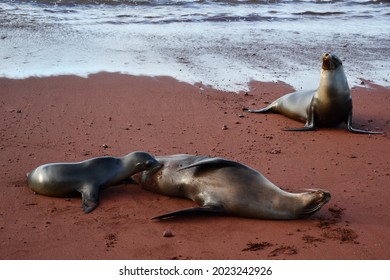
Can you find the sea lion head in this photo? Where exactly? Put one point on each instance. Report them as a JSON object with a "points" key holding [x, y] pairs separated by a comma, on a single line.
{"points": [[330, 61], [315, 199], [144, 161]]}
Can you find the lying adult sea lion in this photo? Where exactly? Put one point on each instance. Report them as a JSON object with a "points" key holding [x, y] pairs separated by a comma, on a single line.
{"points": [[88, 177], [328, 106], [226, 187]]}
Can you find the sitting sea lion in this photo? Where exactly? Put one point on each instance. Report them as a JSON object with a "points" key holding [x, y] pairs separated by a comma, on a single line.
{"points": [[328, 106]]}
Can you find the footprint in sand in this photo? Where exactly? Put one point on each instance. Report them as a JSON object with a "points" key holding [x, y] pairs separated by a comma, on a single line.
{"points": [[332, 231], [285, 250], [256, 246], [111, 240]]}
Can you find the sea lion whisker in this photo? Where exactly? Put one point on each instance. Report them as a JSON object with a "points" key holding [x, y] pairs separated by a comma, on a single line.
{"points": [[312, 210]]}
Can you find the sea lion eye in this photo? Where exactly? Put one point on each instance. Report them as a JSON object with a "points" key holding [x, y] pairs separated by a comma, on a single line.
{"points": [[149, 163]]}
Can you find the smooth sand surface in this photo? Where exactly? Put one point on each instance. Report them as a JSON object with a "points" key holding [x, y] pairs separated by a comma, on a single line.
{"points": [[69, 118]]}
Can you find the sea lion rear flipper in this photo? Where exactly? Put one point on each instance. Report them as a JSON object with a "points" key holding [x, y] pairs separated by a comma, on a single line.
{"points": [[90, 197], [355, 130], [211, 163], [192, 211], [264, 110]]}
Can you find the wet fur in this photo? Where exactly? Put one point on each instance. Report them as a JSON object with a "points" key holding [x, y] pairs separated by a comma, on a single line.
{"points": [[227, 187], [328, 106]]}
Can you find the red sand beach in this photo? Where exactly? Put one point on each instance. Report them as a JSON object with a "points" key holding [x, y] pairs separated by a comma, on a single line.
{"points": [[70, 118]]}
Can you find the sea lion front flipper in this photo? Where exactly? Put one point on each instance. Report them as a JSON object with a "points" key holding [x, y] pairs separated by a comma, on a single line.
{"points": [[305, 128], [355, 130], [90, 197], [309, 126], [211, 163], [216, 210]]}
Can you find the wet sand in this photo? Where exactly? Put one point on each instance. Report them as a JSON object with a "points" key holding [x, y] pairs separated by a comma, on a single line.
{"points": [[68, 118]]}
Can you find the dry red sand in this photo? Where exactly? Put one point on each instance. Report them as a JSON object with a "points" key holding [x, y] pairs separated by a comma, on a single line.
{"points": [[71, 119]]}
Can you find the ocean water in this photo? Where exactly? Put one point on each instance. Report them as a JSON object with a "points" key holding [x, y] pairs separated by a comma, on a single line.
{"points": [[220, 43]]}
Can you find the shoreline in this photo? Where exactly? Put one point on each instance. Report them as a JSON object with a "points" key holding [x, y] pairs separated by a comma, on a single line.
{"points": [[289, 50], [69, 118]]}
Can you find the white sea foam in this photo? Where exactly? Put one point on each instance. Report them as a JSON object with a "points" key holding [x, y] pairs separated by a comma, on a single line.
{"points": [[224, 46]]}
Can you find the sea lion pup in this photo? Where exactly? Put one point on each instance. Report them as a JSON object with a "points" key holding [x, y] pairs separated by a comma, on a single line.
{"points": [[328, 106], [226, 187], [88, 177]]}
